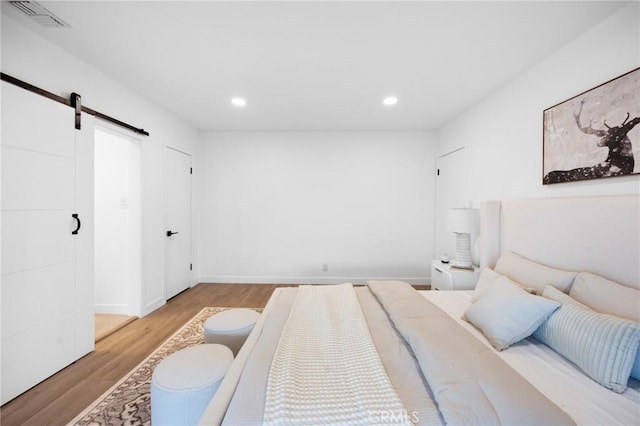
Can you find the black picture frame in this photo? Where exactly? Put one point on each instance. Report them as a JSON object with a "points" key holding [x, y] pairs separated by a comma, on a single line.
{"points": [[595, 134]]}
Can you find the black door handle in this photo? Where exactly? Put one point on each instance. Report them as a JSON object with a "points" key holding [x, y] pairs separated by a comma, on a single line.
{"points": [[75, 216], [170, 233]]}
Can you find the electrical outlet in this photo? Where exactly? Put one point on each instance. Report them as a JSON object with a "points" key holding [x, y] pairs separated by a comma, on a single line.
{"points": [[325, 267]]}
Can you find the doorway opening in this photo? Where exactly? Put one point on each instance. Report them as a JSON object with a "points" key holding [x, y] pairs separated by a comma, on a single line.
{"points": [[118, 229]]}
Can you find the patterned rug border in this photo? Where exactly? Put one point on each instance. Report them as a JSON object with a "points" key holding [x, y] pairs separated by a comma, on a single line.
{"points": [[130, 392]]}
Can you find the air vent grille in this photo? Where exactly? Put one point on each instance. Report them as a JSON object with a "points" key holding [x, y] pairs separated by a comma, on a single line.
{"points": [[39, 14]]}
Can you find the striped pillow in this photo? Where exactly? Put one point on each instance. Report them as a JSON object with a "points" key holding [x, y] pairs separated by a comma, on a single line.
{"points": [[608, 297], [602, 345]]}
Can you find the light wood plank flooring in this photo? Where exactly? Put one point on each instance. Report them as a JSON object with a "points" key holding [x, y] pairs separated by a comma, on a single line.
{"points": [[106, 324], [60, 398]]}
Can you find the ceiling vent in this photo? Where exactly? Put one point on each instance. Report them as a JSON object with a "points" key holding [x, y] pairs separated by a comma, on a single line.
{"points": [[39, 14]]}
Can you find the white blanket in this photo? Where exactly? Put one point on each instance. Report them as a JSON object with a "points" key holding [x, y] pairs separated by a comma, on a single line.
{"points": [[326, 369]]}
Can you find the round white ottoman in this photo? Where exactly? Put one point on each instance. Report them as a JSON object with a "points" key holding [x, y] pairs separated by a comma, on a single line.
{"points": [[230, 327], [184, 382]]}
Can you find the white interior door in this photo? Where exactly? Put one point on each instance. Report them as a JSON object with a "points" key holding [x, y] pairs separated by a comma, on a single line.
{"points": [[178, 221], [451, 192], [47, 271]]}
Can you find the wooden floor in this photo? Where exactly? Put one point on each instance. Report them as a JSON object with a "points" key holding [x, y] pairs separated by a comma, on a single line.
{"points": [[60, 398], [106, 324]]}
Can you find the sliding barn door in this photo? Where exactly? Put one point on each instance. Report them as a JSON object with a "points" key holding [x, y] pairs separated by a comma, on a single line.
{"points": [[47, 269]]}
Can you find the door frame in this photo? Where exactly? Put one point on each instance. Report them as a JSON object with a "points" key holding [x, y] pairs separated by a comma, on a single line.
{"points": [[135, 297]]}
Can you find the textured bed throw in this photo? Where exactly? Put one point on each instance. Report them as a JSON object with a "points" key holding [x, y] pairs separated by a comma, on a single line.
{"points": [[471, 384], [326, 369]]}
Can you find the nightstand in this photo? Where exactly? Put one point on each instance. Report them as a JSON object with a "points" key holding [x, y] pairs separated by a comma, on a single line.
{"points": [[444, 277]]}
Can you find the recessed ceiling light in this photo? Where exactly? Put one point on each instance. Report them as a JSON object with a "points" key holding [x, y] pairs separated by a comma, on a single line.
{"points": [[390, 100], [238, 102]]}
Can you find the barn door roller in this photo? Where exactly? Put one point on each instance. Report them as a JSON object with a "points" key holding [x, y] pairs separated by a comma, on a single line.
{"points": [[76, 104]]}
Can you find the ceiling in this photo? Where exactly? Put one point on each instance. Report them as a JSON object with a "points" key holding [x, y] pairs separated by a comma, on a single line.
{"points": [[316, 65]]}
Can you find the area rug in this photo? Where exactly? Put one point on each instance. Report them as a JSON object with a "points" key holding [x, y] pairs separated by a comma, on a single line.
{"points": [[128, 402]]}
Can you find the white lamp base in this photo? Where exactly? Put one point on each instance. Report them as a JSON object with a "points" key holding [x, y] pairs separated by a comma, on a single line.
{"points": [[463, 251]]}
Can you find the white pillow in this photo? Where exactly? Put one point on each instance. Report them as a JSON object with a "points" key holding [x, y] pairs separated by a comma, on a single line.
{"points": [[602, 345], [506, 314], [609, 297], [486, 279], [532, 274]]}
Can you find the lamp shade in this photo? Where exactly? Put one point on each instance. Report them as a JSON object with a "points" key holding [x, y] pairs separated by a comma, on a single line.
{"points": [[463, 221]]}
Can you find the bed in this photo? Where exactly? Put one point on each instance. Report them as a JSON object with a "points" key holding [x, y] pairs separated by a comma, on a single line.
{"points": [[439, 367]]}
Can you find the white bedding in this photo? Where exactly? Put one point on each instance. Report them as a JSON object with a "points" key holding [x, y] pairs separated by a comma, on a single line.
{"points": [[584, 400], [558, 379], [251, 366]]}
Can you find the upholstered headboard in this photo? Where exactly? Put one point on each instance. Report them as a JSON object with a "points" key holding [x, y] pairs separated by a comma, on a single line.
{"points": [[595, 234]]}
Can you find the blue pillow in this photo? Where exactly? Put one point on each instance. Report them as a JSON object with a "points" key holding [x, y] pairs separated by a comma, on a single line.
{"points": [[602, 345]]}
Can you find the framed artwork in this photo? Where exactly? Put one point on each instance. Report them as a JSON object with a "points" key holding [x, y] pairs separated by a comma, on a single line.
{"points": [[595, 134]]}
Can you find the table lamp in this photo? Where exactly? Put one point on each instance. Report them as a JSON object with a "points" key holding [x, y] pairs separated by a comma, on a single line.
{"points": [[463, 222]]}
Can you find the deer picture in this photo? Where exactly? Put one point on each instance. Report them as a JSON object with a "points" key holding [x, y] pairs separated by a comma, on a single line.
{"points": [[619, 161]]}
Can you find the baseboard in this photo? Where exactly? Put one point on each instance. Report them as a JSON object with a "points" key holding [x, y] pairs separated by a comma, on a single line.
{"points": [[152, 307], [237, 279]]}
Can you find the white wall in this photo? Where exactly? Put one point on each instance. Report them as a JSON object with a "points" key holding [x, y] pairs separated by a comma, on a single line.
{"points": [[503, 134], [31, 58], [276, 206], [117, 223]]}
